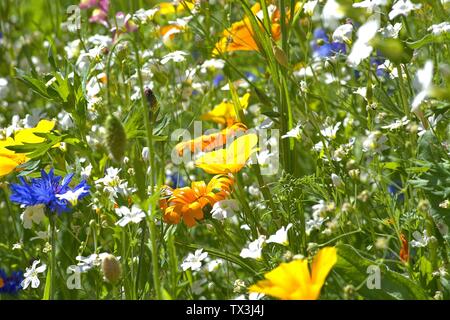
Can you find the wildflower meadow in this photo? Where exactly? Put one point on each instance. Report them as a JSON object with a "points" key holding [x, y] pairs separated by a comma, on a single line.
{"points": [[224, 150]]}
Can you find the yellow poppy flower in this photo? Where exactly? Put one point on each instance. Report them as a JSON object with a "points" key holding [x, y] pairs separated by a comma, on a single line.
{"points": [[167, 8], [293, 281], [229, 160], [241, 35], [9, 159], [209, 142], [224, 112]]}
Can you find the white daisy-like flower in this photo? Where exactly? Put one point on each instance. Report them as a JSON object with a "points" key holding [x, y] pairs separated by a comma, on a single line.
{"points": [[135, 215], [281, 236], [440, 28], [254, 249], [403, 8], [309, 6], [176, 56], [420, 240], [293, 133], [212, 64], [194, 261], [391, 31], [343, 33], [397, 124], [370, 5], [33, 214], [224, 209], [361, 48], [31, 275], [424, 84], [332, 12]]}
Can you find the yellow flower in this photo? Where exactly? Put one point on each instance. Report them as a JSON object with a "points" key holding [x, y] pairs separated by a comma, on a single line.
{"points": [[209, 142], [167, 8], [224, 112], [293, 281], [9, 159], [241, 35], [229, 160]]}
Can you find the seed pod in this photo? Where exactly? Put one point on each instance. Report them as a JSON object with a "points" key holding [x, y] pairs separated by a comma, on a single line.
{"points": [[116, 138], [111, 268]]}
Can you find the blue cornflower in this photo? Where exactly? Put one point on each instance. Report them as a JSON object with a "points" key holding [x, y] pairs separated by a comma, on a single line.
{"points": [[395, 190], [322, 47], [175, 180], [218, 79], [51, 190], [10, 284]]}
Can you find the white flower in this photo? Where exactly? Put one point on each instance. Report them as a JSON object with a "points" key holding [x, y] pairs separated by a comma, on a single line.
{"points": [[245, 227], [370, 5], [343, 33], [134, 215], [93, 260], [254, 249], [432, 121], [424, 83], [281, 236], [113, 185], [362, 49], [309, 7], [212, 64], [86, 171], [420, 240], [145, 15], [314, 223], [32, 214], [176, 56], [31, 275], [194, 261], [331, 14], [224, 209], [72, 196], [65, 120], [330, 131], [375, 142], [391, 31], [293, 133], [213, 265], [337, 181], [440, 28], [397, 124], [145, 153], [3, 88], [403, 7]]}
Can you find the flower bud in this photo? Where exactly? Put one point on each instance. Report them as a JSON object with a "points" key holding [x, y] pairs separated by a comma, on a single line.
{"points": [[116, 138], [111, 268]]}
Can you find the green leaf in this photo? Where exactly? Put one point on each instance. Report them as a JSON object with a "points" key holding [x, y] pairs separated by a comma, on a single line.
{"points": [[353, 268]]}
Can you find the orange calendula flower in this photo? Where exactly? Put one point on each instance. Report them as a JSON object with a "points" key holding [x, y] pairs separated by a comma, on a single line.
{"points": [[404, 250], [209, 142], [293, 280], [224, 112], [241, 35], [231, 159], [9, 159], [187, 203]]}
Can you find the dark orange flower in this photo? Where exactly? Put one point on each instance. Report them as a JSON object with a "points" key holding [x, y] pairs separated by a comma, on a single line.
{"points": [[404, 251], [241, 34], [187, 203], [209, 142]]}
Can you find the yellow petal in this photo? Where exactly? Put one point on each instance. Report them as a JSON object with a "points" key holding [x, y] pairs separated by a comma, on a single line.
{"points": [[229, 160], [7, 165], [321, 266], [28, 135]]}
